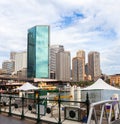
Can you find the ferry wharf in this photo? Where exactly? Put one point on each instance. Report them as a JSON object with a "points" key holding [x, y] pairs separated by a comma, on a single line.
{"points": [[15, 110], [5, 119], [40, 110]]}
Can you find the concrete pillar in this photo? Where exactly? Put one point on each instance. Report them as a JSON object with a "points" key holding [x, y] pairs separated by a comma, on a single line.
{"points": [[78, 95], [72, 94]]}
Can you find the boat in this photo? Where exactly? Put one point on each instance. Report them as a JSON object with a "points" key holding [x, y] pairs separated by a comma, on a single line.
{"points": [[47, 87]]}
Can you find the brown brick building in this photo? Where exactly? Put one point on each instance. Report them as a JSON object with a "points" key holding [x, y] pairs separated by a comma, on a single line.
{"points": [[115, 79]]}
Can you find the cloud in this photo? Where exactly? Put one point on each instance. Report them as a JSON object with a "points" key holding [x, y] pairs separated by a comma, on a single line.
{"points": [[68, 20], [88, 25]]}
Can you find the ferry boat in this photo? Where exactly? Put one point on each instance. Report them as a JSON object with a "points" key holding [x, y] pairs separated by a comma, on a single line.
{"points": [[47, 87]]}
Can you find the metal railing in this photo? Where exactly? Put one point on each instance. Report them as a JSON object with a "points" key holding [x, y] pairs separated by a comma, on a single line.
{"points": [[104, 112], [39, 109]]}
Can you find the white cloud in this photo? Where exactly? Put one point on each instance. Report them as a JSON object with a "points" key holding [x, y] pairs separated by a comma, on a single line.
{"points": [[98, 29]]}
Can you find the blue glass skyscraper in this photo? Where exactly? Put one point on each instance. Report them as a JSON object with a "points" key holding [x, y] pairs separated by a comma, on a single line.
{"points": [[38, 52]]}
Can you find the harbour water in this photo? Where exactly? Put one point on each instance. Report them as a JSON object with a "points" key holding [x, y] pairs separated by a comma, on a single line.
{"points": [[94, 95]]}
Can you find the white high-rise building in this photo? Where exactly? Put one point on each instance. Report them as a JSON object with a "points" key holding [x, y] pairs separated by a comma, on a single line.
{"points": [[63, 66], [20, 61], [53, 50], [94, 65]]}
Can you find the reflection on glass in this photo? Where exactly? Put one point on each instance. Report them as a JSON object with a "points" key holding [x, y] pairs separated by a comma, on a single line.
{"points": [[38, 52]]}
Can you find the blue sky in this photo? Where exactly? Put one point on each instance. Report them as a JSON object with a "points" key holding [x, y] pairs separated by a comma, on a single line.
{"points": [[90, 25]]}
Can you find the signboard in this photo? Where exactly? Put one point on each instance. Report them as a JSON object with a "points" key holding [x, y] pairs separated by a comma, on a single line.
{"points": [[42, 109]]}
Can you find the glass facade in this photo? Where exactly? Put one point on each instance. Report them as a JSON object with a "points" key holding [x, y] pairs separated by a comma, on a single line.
{"points": [[38, 52]]}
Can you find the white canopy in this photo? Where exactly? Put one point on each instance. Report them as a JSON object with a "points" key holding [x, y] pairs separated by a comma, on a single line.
{"points": [[27, 86], [100, 85]]}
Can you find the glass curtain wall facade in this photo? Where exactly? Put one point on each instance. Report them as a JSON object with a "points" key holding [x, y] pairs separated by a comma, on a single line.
{"points": [[38, 52]]}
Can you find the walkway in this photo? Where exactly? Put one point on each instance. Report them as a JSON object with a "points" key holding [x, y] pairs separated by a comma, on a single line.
{"points": [[4, 119]]}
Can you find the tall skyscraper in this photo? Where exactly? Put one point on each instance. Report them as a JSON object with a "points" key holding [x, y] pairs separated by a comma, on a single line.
{"points": [[20, 61], [81, 53], [54, 49], [78, 66], [38, 52], [78, 69], [94, 65], [63, 66]]}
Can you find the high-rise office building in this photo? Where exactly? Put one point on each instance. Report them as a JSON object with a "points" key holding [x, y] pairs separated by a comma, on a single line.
{"points": [[81, 53], [78, 69], [63, 66], [78, 66], [12, 55], [54, 49], [8, 66], [94, 65], [38, 52], [20, 61]]}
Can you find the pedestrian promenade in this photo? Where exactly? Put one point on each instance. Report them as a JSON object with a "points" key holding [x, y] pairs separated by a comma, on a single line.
{"points": [[5, 119], [17, 111]]}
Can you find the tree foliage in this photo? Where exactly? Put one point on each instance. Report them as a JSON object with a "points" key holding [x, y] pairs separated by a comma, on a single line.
{"points": [[81, 83]]}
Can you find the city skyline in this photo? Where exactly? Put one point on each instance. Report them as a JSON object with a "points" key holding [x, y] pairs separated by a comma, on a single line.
{"points": [[80, 25]]}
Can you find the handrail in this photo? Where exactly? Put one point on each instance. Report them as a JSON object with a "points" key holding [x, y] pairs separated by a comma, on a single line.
{"points": [[103, 105], [19, 106]]}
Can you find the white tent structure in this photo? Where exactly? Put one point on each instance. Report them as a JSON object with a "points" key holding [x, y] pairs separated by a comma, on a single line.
{"points": [[100, 85], [27, 86], [99, 90]]}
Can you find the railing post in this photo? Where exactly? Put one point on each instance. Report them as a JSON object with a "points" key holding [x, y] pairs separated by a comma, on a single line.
{"points": [[10, 106], [88, 104], [59, 105], [0, 103], [38, 106], [22, 116]]}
